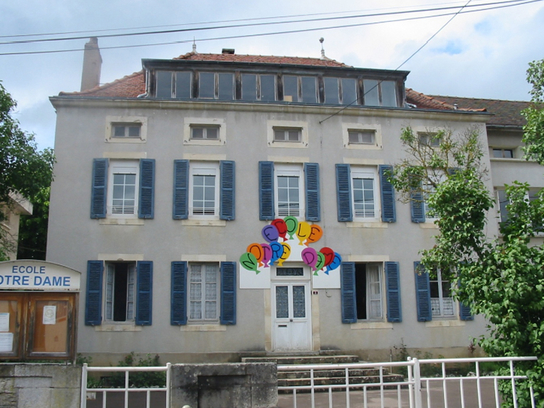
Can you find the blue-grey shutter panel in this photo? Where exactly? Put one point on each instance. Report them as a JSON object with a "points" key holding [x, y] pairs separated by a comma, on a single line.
{"points": [[93, 299], [228, 293], [423, 294], [178, 296], [144, 293], [389, 213], [465, 312], [180, 208], [99, 188], [343, 192], [227, 190], [349, 301], [266, 191], [417, 208], [146, 205], [392, 276], [313, 202]]}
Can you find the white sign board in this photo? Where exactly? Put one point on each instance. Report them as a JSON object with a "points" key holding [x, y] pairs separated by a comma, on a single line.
{"points": [[38, 275]]}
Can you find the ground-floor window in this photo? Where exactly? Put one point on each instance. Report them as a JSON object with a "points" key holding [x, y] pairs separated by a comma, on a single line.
{"points": [[203, 291], [368, 284], [120, 291]]}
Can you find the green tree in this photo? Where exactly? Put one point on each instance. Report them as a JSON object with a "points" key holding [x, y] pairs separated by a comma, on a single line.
{"points": [[501, 277], [533, 131], [33, 228], [24, 170]]}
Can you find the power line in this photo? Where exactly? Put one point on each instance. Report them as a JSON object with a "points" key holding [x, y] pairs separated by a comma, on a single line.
{"points": [[226, 26], [497, 6]]}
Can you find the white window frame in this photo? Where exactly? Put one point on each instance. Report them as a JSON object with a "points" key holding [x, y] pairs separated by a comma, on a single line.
{"points": [[218, 123], [374, 292], [366, 173], [200, 296], [272, 125], [205, 130], [204, 169], [123, 167], [441, 303], [425, 137], [515, 153], [354, 127], [112, 121], [289, 170], [286, 131], [109, 292], [429, 188]]}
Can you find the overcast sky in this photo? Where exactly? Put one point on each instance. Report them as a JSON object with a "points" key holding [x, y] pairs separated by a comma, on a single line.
{"points": [[481, 53]]}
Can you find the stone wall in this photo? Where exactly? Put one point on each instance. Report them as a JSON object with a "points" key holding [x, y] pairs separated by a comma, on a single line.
{"points": [[39, 385], [240, 385]]}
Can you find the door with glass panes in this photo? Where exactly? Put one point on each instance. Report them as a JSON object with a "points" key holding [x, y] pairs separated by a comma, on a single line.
{"points": [[291, 318]]}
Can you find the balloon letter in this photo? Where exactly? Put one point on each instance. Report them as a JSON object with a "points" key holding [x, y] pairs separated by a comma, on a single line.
{"points": [[277, 251], [267, 254], [309, 256], [249, 262], [315, 234], [303, 232], [286, 253], [334, 264], [329, 255], [270, 233], [320, 262], [292, 224], [280, 226], [257, 251]]}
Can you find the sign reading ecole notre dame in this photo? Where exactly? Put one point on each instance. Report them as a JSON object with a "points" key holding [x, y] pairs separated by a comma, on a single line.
{"points": [[38, 275]]}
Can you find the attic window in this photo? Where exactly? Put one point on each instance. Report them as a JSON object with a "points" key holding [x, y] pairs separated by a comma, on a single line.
{"points": [[128, 130], [503, 153], [363, 137]]}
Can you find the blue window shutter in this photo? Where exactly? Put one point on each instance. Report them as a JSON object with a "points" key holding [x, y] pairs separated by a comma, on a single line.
{"points": [[465, 312], [349, 301], [144, 293], [343, 192], [266, 191], [180, 208], [178, 298], [99, 188], [313, 202], [417, 209], [93, 299], [389, 213], [228, 293], [147, 189], [423, 294], [392, 276], [227, 200]]}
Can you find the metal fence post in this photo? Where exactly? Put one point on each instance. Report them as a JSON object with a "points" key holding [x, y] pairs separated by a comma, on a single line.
{"points": [[84, 386], [417, 384]]}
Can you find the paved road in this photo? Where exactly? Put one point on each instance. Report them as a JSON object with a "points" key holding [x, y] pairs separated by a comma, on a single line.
{"points": [[391, 397]]}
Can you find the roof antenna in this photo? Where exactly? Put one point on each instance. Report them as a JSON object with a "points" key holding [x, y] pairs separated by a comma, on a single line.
{"points": [[194, 46], [322, 50]]}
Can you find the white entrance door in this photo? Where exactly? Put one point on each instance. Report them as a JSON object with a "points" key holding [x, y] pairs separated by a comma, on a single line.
{"points": [[292, 326]]}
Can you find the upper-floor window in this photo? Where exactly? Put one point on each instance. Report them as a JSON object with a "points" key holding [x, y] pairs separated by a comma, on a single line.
{"points": [[123, 187], [299, 89], [204, 132], [289, 191], [503, 153], [282, 134], [126, 130], [380, 93], [364, 189], [429, 139], [362, 136], [216, 86], [204, 189]]}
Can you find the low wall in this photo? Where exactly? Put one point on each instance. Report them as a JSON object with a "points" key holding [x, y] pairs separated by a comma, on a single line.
{"points": [[240, 385], [39, 385]]}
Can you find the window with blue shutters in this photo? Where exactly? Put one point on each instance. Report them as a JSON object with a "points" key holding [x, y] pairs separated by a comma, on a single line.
{"points": [[203, 293], [123, 188], [204, 190], [364, 194], [289, 190], [362, 293], [423, 293], [119, 292]]}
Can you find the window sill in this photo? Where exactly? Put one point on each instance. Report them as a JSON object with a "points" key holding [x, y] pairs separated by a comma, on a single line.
{"points": [[203, 328], [369, 224], [428, 225], [445, 323], [129, 327], [121, 221], [125, 140], [371, 326], [204, 223]]}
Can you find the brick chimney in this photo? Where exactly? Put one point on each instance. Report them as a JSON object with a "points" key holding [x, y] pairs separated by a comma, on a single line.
{"points": [[92, 65]]}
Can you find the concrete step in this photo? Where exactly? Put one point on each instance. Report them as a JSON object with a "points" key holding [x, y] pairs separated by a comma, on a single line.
{"points": [[302, 359]]}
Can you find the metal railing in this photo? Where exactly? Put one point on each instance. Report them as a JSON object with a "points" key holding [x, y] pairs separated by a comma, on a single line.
{"points": [[440, 385], [127, 389]]}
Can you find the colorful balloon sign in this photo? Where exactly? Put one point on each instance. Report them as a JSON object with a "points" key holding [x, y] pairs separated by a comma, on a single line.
{"points": [[276, 249]]}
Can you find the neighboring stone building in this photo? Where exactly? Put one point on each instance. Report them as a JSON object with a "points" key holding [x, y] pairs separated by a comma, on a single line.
{"points": [[12, 212], [222, 204]]}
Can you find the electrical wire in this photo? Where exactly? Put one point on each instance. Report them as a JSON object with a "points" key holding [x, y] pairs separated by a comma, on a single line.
{"points": [[498, 5], [237, 26]]}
